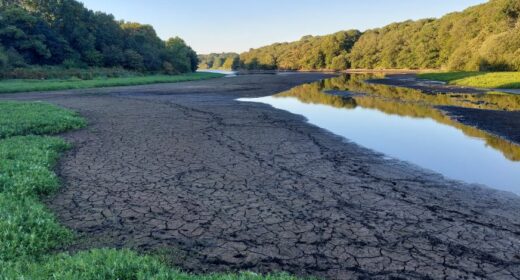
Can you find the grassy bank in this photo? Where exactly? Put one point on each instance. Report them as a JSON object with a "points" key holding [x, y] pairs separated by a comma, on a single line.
{"points": [[29, 233], [477, 79], [60, 72], [23, 85]]}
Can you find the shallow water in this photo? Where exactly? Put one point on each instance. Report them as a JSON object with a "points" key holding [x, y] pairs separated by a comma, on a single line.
{"points": [[228, 73], [404, 124]]}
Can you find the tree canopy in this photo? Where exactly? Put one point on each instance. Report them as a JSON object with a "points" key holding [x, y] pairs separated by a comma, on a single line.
{"points": [[64, 32], [309, 53], [483, 37], [227, 61]]}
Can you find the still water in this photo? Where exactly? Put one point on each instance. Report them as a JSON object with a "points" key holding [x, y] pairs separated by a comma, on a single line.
{"points": [[228, 73], [405, 124]]}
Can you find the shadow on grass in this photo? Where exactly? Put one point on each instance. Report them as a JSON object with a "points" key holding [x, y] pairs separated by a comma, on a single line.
{"points": [[449, 76], [515, 85]]}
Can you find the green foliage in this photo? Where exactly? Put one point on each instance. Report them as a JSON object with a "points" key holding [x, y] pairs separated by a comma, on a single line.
{"points": [[483, 37], [231, 63], [18, 118], [309, 53], [477, 79], [101, 264], [223, 61], [26, 163], [10, 86], [64, 32], [58, 72], [29, 232], [447, 76], [27, 229], [181, 56]]}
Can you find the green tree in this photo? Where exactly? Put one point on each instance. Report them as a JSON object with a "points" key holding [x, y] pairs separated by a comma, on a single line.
{"points": [[64, 32], [133, 60], [232, 63]]}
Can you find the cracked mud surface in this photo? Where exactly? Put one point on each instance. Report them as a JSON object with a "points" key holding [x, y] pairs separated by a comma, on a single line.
{"points": [[225, 185]]}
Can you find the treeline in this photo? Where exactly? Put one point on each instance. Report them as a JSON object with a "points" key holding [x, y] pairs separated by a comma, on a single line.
{"points": [[226, 61], [65, 33], [483, 37], [309, 53]]}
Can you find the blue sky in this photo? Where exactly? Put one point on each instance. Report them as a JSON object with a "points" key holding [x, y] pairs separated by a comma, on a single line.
{"points": [[237, 25]]}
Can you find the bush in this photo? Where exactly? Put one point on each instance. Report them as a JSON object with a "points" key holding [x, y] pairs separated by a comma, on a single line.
{"points": [[133, 60]]}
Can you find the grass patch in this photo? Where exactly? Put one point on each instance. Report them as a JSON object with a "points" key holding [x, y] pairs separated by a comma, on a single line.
{"points": [[114, 264], [27, 229], [19, 118], [12, 86], [29, 232], [477, 79], [59, 72]]}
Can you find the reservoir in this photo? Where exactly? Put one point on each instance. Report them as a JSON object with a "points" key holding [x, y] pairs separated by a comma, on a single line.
{"points": [[409, 125]]}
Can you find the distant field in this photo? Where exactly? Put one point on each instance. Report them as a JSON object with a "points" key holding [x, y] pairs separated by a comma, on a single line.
{"points": [[477, 79], [12, 86]]}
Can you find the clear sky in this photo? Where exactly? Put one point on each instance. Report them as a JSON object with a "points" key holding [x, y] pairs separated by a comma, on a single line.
{"points": [[237, 25]]}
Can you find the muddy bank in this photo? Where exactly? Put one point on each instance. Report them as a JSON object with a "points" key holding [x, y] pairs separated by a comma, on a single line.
{"points": [[221, 185], [505, 124], [501, 123], [431, 87]]}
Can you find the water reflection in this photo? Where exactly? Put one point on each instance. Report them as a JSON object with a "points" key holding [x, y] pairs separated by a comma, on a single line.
{"points": [[227, 73], [405, 123]]}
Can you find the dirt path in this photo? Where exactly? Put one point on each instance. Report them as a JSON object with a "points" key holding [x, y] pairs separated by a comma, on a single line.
{"points": [[224, 185]]}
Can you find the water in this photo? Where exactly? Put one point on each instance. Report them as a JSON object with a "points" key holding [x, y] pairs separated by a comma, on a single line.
{"points": [[402, 125], [228, 73]]}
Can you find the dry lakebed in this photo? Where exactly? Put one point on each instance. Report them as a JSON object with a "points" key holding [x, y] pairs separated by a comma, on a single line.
{"points": [[221, 184]]}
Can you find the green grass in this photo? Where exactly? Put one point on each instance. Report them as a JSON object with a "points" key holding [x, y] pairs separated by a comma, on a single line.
{"points": [[12, 86], [30, 233], [27, 229], [113, 264], [38, 118], [60, 72], [477, 79]]}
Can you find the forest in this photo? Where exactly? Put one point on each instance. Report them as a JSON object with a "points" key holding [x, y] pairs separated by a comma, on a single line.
{"points": [[64, 33], [309, 53], [485, 37], [217, 61]]}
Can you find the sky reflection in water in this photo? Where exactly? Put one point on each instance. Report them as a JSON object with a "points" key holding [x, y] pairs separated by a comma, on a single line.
{"points": [[408, 128]]}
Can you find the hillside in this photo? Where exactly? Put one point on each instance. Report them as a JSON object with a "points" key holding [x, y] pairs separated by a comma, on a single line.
{"points": [[483, 37], [311, 52], [65, 33]]}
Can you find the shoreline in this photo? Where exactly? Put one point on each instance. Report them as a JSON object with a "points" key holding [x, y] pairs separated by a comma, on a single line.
{"points": [[503, 124], [227, 186]]}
